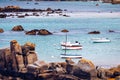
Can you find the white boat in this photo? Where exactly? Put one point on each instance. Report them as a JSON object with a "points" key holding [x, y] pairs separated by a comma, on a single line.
{"points": [[70, 56], [71, 46], [101, 40], [68, 45]]}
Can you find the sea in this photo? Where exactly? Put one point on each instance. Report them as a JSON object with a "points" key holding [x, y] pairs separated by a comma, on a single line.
{"points": [[48, 47]]}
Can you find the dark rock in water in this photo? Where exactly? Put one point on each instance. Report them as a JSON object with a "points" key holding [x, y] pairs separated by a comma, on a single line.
{"points": [[44, 32], [97, 4], [94, 32], [3, 15], [17, 28], [32, 32], [64, 30], [111, 31], [66, 15], [21, 16], [1, 30]]}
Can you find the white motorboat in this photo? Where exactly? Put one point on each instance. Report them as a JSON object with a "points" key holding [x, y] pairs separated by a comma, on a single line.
{"points": [[70, 56], [101, 40], [71, 46]]}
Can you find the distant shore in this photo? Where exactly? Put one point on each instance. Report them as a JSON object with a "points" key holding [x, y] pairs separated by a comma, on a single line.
{"points": [[64, 14]]}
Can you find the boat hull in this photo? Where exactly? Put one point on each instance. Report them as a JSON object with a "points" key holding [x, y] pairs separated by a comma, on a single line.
{"points": [[101, 40], [71, 56], [71, 48]]}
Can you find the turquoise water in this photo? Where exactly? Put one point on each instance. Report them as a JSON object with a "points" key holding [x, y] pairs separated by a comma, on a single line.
{"points": [[75, 6], [48, 47]]}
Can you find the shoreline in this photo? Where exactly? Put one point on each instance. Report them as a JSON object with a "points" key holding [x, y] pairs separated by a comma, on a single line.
{"points": [[62, 15]]}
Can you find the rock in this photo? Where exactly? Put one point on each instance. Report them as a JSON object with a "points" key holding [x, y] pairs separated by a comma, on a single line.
{"points": [[15, 47], [1, 30], [56, 67], [87, 66], [94, 32], [69, 61], [64, 30], [101, 73], [44, 32], [31, 57], [49, 9], [5, 58], [31, 68], [32, 32], [65, 77], [76, 71], [29, 53], [29, 45], [16, 54], [111, 31], [113, 72], [108, 73], [3, 15], [17, 28], [69, 65], [97, 4]]}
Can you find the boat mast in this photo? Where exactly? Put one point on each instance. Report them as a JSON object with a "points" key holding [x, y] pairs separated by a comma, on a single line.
{"points": [[65, 31], [65, 42]]}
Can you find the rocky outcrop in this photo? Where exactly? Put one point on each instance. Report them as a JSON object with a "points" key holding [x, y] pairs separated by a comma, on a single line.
{"points": [[38, 32], [17, 57], [1, 30], [94, 32], [20, 62], [17, 28]]}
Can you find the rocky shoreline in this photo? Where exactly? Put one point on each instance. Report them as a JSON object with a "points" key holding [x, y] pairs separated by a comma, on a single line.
{"points": [[20, 62], [16, 11]]}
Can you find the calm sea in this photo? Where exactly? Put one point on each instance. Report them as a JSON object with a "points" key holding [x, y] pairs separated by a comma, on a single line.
{"points": [[48, 47]]}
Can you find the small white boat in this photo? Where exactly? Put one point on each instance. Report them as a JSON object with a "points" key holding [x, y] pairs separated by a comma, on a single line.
{"points": [[101, 40], [70, 56], [71, 46]]}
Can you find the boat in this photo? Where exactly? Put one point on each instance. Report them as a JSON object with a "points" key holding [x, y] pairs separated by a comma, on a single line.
{"points": [[64, 56], [68, 45], [71, 46], [101, 40]]}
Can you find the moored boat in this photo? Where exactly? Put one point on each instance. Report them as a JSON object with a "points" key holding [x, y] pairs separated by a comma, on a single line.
{"points": [[71, 46], [70, 56], [101, 40]]}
